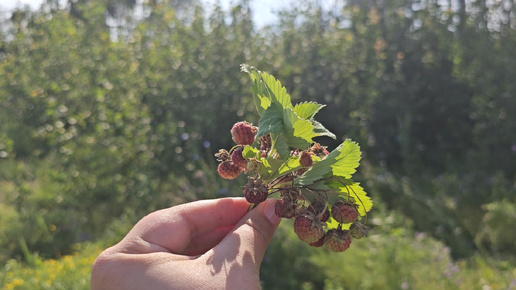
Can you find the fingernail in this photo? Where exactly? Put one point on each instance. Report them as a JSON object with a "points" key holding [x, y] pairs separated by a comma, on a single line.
{"points": [[270, 213]]}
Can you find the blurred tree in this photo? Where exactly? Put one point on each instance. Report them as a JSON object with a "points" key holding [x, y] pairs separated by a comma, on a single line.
{"points": [[114, 108]]}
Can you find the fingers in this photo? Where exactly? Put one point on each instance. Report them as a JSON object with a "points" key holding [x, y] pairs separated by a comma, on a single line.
{"points": [[174, 229], [251, 235]]}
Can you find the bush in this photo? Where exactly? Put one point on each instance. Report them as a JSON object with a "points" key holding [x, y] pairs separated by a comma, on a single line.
{"points": [[68, 272]]}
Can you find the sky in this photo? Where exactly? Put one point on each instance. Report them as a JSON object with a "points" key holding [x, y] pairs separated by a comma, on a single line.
{"points": [[262, 12]]}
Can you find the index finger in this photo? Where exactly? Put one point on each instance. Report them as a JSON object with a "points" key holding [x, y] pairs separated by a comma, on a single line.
{"points": [[173, 229]]}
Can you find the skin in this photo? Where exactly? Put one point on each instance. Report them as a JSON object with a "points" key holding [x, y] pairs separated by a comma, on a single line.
{"points": [[209, 244]]}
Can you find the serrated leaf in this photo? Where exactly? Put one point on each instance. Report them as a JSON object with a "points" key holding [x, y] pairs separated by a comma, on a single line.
{"points": [[299, 132], [307, 110], [259, 90], [277, 92], [342, 161], [271, 121], [348, 160], [320, 130], [262, 101], [267, 90]]}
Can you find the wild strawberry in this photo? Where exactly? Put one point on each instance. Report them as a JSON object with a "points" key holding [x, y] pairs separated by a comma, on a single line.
{"points": [[320, 210], [238, 158], [228, 170], [319, 243], [305, 159], [285, 207], [255, 191], [308, 230], [344, 212], [337, 240], [243, 133], [357, 230]]}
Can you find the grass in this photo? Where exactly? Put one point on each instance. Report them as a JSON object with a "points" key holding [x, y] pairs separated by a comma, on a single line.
{"points": [[68, 272]]}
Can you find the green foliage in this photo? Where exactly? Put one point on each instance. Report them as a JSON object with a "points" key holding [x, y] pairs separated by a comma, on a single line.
{"points": [[496, 224], [99, 122], [392, 257]]}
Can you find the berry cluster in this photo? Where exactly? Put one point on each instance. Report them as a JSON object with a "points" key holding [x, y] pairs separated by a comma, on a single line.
{"points": [[318, 219]]}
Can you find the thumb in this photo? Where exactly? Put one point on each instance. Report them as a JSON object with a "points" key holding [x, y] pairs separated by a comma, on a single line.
{"points": [[253, 232]]}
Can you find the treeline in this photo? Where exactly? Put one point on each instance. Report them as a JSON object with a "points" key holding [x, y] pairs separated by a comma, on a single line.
{"points": [[110, 110]]}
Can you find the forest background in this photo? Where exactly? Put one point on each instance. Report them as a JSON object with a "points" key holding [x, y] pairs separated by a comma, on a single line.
{"points": [[110, 109]]}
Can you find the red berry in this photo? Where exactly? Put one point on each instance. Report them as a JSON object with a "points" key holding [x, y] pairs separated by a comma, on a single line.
{"points": [[255, 191], [228, 170], [344, 212], [285, 208], [337, 240], [243, 133], [308, 230], [305, 159], [357, 230], [319, 243], [238, 158]]}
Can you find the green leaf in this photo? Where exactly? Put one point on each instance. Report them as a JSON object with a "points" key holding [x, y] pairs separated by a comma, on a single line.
{"points": [[320, 130], [346, 188], [307, 110], [362, 200], [299, 132], [267, 90], [249, 152], [291, 164], [342, 161], [270, 167], [331, 223], [277, 92], [348, 159], [259, 90], [353, 189], [270, 122], [279, 142], [319, 169]]}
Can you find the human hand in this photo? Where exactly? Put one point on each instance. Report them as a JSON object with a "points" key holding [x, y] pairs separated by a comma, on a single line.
{"points": [[209, 244]]}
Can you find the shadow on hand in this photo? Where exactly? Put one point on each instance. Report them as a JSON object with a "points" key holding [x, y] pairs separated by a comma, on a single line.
{"points": [[224, 256]]}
